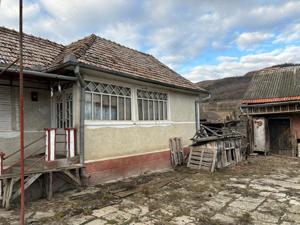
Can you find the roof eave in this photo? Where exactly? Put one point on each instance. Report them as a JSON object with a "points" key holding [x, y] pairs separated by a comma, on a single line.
{"points": [[270, 100], [126, 75], [131, 76]]}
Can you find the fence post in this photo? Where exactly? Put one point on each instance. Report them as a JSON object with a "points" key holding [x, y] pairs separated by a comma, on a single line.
{"points": [[50, 144], [1, 172], [71, 142]]}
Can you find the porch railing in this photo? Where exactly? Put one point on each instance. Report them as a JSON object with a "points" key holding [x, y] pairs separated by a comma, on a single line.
{"points": [[26, 147], [49, 146], [48, 150]]}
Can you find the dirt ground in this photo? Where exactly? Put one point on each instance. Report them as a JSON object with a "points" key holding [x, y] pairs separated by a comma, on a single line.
{"points": [[258, 191]]}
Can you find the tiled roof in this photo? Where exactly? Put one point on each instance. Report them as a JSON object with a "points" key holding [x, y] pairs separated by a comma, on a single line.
{"points": [[37, 52], [93, 51], [274, 85], [108, 55]]}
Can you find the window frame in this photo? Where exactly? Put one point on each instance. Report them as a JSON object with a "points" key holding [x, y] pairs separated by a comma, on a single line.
{"points": [[101, 120], [165, 105]]}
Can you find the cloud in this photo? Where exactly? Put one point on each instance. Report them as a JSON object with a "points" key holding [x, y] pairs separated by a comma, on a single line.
{"points": [[290, 34], [252, 39], [275, 13], [179, 33], [227, 59], [130, 34], [9, 13], [244, 64]]}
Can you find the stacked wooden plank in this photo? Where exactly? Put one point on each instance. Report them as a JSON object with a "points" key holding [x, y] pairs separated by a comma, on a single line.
{"points": [[203, 156], [177, 154]]}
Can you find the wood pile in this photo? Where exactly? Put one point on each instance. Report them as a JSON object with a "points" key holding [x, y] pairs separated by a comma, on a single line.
{"points": [[215, 148], [177, 154]]}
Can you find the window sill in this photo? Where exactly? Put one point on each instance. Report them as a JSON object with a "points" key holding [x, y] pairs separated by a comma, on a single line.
{"points": [[99, 124]]}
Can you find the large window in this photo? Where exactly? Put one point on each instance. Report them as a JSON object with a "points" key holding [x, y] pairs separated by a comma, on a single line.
{"points": [[152, 105], [107, 102]]}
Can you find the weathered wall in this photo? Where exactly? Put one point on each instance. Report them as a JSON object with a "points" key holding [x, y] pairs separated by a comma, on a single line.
{"points": [[115, 142], [182, 107], [295, 125], [37, 117]]}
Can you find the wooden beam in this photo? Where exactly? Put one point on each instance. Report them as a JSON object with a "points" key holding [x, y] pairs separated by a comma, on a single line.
{"points": [[50, 186], [214, 161], [28, 181], [72, 177], [5, 181], [9, 189]]}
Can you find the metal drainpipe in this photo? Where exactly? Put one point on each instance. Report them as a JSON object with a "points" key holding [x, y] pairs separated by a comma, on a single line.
{"points": [[82, 112], [197, 109]]}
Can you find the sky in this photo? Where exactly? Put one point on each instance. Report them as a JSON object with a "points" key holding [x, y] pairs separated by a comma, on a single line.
{"points": [[200, 39]]}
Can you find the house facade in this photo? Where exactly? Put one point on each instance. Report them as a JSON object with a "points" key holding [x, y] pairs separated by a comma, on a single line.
{"points": [[115, 107], [273, 108]]}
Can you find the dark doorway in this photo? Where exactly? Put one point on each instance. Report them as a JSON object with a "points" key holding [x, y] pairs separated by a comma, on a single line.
{"points": [[280, 136]]}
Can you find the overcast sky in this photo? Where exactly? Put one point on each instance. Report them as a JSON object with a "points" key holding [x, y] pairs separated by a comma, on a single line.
{"points": [[199, 39]]}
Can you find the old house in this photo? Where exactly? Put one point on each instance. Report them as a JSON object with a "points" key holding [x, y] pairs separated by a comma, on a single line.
{"points": [[272, 104], [106, 107]]}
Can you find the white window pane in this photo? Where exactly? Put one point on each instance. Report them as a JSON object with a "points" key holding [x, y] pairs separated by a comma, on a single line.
{"points": [[121, 108], [128, 109], [105, 107], [113, 108], [151, 115], [97, 106], [161, 113], [156, 110], [88, 106], [108, 103], [165, 111], [154, 107], [145, 109], [140, 108]]}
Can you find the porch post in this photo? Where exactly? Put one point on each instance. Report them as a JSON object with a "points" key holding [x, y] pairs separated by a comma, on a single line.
{"points": [[82, 111], [1, 172], [50, 144], [82, 115]]}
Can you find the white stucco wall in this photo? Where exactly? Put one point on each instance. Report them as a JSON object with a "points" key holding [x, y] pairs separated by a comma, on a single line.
{"points": [[104, 140]]}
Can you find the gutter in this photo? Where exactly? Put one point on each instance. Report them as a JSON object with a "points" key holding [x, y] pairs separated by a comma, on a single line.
{"points": [[40, 74], [82, 112], [197, 109]]}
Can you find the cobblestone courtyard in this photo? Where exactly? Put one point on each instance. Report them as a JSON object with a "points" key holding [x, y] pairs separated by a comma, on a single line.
{"points": [[258, 191]]}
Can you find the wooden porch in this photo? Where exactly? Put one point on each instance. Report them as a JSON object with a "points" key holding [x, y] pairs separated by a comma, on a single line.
{"points": [[55, 154]]}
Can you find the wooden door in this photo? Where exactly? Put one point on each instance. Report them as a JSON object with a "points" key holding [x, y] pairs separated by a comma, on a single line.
{"points": [[280, 136]]}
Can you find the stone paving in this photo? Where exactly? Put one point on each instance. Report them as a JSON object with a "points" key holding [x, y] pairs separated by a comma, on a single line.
{"points": [[260, 191]]}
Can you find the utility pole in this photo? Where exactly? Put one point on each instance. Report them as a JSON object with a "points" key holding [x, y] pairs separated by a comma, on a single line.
{"points": [[22, 208]]}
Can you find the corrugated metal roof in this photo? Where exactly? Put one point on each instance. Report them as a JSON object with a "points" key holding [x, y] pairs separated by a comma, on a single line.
{"points": [[274, 85]]}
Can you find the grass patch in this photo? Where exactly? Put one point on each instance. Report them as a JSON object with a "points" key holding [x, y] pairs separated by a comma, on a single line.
{"points": [[206, 220], [112, 222], [245, 219]]}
